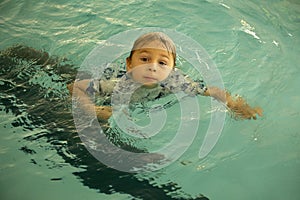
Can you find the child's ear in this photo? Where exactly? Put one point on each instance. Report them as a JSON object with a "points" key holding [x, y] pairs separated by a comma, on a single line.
{"points": [[128, 64]]}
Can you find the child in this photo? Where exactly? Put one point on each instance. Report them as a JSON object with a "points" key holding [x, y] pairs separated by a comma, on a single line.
{"points": [[151, 64]]}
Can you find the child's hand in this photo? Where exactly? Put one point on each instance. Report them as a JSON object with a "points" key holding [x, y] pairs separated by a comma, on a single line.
{"points": [[241, 109], [238, 106], [103, 112]]}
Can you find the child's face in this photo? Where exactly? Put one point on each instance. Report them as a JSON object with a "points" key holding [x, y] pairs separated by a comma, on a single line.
{"points": [[150, 64]]}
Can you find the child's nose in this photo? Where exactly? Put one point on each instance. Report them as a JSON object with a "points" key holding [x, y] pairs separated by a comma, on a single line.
{"points": [[152, 67]]}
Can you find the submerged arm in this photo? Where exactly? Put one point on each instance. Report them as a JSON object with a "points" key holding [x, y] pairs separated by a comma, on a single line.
{"points": [[237, 105], [81, 90]]}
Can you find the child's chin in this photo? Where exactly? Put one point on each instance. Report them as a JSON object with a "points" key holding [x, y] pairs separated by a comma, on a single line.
{"points": [[150, 85]]}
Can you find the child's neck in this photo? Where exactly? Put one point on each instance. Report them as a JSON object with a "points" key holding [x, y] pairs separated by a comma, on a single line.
{"points": [[150, 86]]}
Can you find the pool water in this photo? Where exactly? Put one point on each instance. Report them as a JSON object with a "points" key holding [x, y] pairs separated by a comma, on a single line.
{"points": [[256, 47]]}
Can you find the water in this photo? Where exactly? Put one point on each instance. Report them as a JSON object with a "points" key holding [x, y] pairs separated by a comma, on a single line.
{"points": [[254, 44]]}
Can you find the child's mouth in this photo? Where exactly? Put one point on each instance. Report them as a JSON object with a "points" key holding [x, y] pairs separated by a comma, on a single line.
{"points": [[149, 78]]}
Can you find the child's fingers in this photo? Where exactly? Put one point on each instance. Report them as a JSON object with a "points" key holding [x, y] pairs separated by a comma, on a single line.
{"points": [[241, 110], [259, 111]]}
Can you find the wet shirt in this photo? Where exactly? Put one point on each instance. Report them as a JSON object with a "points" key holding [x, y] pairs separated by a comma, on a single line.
{"points": [[123, 89]]}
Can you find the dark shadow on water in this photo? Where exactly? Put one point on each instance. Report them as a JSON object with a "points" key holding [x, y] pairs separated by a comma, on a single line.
{"points": [[27, 79]]}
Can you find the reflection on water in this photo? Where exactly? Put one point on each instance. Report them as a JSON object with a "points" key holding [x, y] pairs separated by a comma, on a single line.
{"points": [[33, 88]]}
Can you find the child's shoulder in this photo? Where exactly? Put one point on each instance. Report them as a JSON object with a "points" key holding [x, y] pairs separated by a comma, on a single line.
{"points": [[113, 71]]}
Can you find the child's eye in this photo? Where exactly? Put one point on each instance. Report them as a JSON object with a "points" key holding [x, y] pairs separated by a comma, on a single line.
{"points": [[144, 59], [162, 63]]}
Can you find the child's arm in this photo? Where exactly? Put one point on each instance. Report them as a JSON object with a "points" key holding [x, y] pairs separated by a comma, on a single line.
{"points": [[79, 90], [239, 107]]}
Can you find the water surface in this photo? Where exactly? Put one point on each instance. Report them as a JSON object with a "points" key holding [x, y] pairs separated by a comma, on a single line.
{"points": [[254, 44]]}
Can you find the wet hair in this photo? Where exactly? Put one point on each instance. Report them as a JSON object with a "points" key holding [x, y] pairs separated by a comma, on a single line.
{"points": [[155, 36]]}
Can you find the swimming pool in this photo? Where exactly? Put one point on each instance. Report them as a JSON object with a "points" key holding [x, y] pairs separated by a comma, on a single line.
{"points": [[255, 46]]}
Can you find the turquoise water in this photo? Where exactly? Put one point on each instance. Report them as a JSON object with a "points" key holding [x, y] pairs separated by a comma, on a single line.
{"points": [[255, 46]]}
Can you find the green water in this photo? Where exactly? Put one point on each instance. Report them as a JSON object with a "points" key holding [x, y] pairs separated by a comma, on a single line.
{"points": [[255, 46]]}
